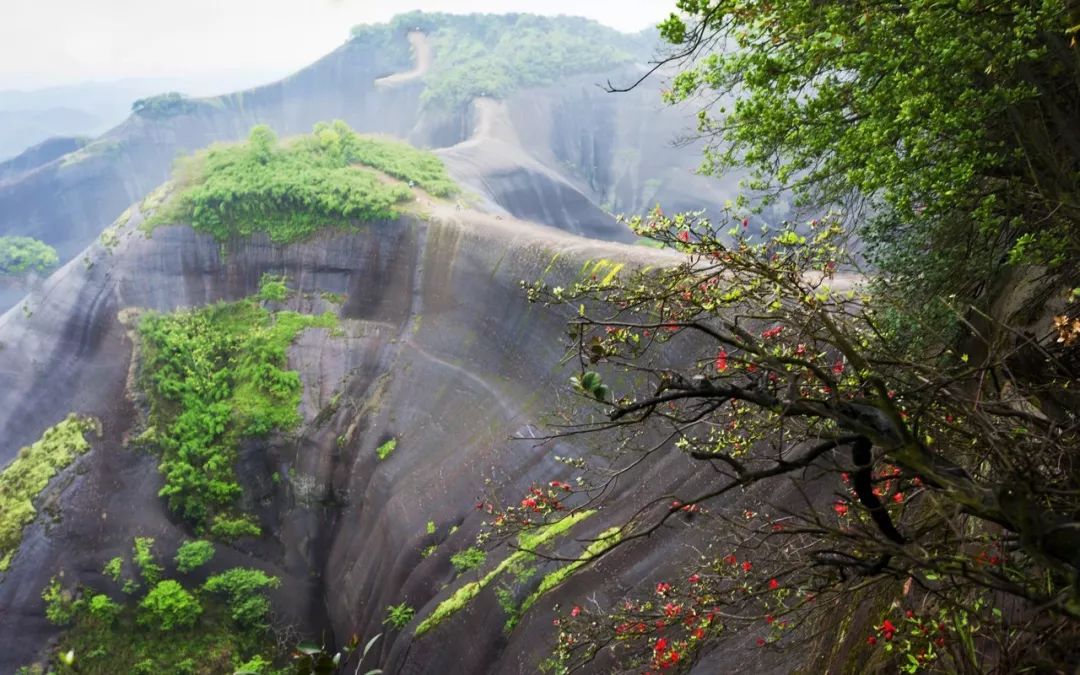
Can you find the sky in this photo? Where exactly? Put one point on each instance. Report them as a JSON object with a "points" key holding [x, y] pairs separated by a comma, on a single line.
{"points": [[62, 42]]}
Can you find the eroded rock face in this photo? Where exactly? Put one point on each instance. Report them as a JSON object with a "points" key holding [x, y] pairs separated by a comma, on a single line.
{"points": [[440, 352]]}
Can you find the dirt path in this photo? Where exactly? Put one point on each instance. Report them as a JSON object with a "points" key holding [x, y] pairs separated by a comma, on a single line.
{"points": [[422, 53]]}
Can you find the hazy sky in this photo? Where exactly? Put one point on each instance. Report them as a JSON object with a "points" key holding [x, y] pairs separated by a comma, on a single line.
{"points": [[49, 42]]}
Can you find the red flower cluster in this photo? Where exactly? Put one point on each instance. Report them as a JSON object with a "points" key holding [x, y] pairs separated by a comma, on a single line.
{"points": [[721, 361], [772, 332], [689, 508]]}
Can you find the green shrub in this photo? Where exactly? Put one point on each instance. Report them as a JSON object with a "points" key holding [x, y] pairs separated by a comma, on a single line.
{"points": [[243, 588], [114, 568], [470, 558], [102, 608], [399, 616], [272, 288], [28, 474], [215, 375], [168, 605], [19, 255], [60, 608], [193, 554], [145, 561], [384, 450]]}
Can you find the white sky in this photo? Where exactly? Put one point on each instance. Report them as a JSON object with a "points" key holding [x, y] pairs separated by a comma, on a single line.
{"points": [[51, 42]]}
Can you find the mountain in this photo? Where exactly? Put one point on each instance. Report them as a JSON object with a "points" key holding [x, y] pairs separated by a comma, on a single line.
{"points": [[552, 147], [31, 116], [423, 378]]}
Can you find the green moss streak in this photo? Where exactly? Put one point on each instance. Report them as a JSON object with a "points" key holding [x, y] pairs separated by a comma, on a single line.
{"points": [[528, 542], [30, 472], [606, 540]]}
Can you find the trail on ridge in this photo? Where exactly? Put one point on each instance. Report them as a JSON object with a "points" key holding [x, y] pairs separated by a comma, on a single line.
{"points": [[421, 47]]}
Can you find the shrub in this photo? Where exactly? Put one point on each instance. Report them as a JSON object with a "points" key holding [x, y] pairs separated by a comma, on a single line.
{"points": [[168, 605], [113, 569], [243, 588], [470, 558], [19, 255], [144, 560], [102, 607], [60, 608], [384, 450], [193, 554], [399, 616], [272, 288]]}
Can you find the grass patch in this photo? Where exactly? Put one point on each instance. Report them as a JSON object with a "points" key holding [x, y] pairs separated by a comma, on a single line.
{"points": [[469, 559], [292, 190], [528, 541], [385, 450], [24, 479], [215, 375]]}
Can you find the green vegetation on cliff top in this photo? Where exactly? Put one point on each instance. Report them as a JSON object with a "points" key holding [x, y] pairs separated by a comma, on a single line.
{"points": [[291, 190], [215, 375], [24, 479], [495, 55]]}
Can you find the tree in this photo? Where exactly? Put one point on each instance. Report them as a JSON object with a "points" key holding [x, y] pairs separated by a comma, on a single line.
{"points": [[950, 472], [945, 130]]}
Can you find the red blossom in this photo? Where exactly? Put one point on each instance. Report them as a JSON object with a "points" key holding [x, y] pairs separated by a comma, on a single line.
{"points": [[772, 332], [800, 350], [838, 367], [699, 633], [694, 579], [721, 361], [841, 508], [575, 611], [684, 237], [898, 497], [774, 584], [661, 645], [747, 566], [760, 642], [663, 587], [672, 610], [769, 618], [731, 559], [871, 640]]}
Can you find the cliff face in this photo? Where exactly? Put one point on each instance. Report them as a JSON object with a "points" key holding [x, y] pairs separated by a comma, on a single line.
{"points": [[439, 352]]}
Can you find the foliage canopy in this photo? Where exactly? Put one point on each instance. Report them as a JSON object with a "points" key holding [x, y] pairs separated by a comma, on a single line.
{"points": [[945, 130]]}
